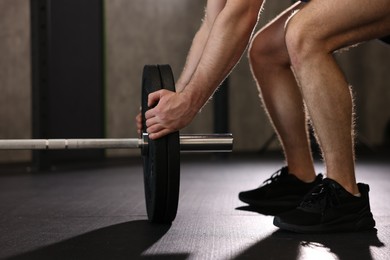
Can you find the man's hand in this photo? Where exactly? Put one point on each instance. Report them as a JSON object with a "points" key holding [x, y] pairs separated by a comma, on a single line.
{"points": [[172, 113]]}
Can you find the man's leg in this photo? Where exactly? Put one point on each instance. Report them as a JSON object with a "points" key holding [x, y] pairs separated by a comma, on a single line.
{"points": [[320, 28], [280, 94], [283, 101], [312, 35]]}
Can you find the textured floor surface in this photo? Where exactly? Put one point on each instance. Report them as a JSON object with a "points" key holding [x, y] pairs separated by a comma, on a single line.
{"points": [[100, 214]]}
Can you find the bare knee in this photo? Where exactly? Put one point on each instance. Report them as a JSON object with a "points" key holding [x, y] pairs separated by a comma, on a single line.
{"points": [[303, 43], [264, 51], [258, 50]]}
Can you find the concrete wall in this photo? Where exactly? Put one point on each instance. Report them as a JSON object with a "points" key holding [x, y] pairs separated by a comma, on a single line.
{"points": [[149, 32], [15, 103]]}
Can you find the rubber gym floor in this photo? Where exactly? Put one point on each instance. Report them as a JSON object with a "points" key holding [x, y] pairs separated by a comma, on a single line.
{"points": [[99, 213]]}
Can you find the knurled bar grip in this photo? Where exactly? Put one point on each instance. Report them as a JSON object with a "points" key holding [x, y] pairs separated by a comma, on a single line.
{"points": [[193, 143]]}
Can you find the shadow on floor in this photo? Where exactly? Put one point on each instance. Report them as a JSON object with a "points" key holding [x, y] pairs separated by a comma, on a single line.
{"points": [[122, 241], [131, 239], [283, 245]]}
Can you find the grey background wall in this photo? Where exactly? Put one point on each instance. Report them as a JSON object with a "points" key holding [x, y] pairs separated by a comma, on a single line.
{"points": [[15, 87], [142, 32]]}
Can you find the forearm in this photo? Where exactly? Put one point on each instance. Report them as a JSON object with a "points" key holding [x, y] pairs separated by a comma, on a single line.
{"points": [[213, 8], [226, 43], [193, 57]]}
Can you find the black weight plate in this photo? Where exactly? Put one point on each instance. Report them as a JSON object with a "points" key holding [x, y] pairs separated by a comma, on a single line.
{"points": [[173, 152], [155, 159]]}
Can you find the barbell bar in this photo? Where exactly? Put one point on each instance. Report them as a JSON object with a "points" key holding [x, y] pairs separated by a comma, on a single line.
{"points": [[188, 143]]}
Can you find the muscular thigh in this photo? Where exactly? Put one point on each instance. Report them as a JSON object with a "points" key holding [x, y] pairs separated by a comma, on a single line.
{"points": [[340, 23]]}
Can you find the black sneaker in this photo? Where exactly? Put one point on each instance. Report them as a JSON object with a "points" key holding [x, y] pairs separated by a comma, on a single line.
{"points": [[280, 193], [329, 208]]}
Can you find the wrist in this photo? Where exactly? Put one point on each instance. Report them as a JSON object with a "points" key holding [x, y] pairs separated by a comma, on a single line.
{"points": [[179, 86], [193, 98]]}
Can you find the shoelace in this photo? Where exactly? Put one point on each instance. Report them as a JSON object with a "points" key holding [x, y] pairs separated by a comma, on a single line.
{"points": [[274, 177], [320, 198]]}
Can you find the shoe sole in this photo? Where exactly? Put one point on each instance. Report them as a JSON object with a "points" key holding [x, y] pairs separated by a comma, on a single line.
{"points": [[285, 202], [272, 208]]}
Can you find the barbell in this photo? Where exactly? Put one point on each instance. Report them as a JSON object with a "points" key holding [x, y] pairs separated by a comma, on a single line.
{"points": [[161, 157], [188, 143]]}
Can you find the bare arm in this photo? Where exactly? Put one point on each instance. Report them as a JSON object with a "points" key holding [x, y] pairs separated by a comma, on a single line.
{"points": [[227, 40], [199, 42], [213, 9]]}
